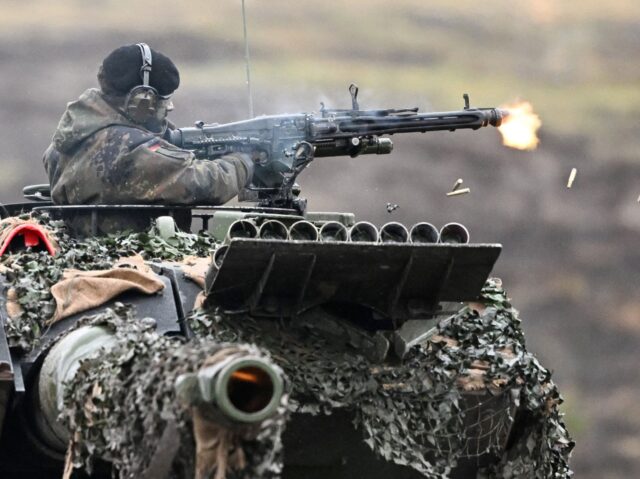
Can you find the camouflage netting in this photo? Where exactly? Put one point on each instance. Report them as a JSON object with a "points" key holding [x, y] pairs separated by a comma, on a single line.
{"points": [[418, 413], [32, 274], [119, 404]]}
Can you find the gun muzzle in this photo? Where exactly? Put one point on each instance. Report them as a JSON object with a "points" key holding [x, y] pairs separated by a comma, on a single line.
{"points": [[333, 231], [394, 232], [363, 231], [424, 233], [273, 229], [498, 116], [242, 229], [241, 388], [454, 233], [304, 231]]}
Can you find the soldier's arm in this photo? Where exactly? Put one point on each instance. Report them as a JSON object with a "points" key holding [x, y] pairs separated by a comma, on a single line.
{"points": [[156, 171]]}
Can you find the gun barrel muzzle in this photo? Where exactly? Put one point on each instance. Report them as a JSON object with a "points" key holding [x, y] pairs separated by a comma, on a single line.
{"points": [[498, 117], [242, 388]]}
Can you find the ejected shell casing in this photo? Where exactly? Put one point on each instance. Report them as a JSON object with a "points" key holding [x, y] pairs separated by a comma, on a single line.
{"points": [[462, 191], [218, 255], [242, 229], [454, 233], [457, 184], [304, 231], [424, 233], [394, 232], [273, 229], [333, 231], [363, 231], [572, 177]]}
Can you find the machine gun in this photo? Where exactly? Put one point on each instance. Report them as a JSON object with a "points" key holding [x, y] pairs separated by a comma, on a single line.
{"points": [[286, 144]]}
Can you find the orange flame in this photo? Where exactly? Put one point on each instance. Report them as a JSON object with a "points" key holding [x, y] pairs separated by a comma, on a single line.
{"points": [[519, 129], [244, 376]]}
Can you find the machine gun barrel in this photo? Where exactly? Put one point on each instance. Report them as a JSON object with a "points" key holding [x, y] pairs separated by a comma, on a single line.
{"points": [[328, 133], [408, 122]]}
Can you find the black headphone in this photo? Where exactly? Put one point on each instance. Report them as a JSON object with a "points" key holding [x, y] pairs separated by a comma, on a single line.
{"points": [[142, 100]]}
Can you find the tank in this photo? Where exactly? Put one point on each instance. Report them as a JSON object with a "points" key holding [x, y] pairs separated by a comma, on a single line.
{"points": [[357, 350], [266, 340]]}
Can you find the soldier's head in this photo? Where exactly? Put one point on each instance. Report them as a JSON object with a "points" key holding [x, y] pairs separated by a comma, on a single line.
{"points": [[140, 80]]}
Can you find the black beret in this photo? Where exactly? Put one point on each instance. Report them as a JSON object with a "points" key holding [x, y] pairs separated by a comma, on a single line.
{"points": [[121, 70]]}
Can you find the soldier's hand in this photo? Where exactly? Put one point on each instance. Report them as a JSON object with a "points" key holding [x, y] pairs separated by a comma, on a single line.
{"points": [[259, 155]]}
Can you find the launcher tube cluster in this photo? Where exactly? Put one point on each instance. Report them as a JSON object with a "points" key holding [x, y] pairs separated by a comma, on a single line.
{"points": [[330, 231]]}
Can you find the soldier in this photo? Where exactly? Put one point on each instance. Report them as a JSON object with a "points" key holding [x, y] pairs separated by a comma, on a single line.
{"points": [[109, 147]]}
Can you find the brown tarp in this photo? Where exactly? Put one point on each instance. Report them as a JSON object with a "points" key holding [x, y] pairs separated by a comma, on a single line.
{"points": [[82, 290], [195, 268], [14, 309], [218, 448]]}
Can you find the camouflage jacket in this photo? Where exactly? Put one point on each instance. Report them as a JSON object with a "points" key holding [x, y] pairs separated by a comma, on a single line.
{"points": [[98, 156]]}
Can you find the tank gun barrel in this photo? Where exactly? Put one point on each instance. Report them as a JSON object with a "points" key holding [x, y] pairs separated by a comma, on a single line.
{"points": [[234, 386]]}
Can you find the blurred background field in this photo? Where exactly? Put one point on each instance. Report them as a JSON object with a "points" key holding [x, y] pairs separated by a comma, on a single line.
{"points": [[571, 260]]}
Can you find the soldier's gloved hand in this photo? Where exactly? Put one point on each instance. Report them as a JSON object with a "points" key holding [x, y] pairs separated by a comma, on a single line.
{"points": [[259, 155]]}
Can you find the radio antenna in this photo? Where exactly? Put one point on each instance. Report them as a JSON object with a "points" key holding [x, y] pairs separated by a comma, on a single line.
{"points": [[247, 60]]}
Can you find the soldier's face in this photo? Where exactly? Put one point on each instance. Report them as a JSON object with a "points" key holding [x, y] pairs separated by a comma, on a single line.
{"points": [[163, 107], [157, 121]]}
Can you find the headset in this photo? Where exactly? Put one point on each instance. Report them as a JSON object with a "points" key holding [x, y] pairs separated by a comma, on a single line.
{"points": [[141, 102]]}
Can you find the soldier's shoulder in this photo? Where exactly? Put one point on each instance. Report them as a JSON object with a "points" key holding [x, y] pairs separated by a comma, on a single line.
{"points": [[130, 136]]}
